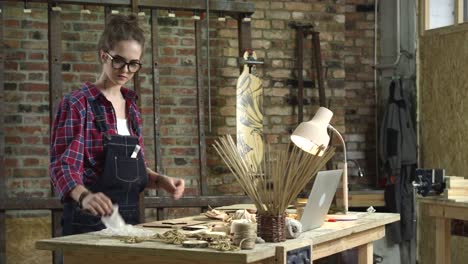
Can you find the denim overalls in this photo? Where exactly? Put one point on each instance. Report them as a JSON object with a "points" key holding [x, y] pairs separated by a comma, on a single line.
{"points": [[122, 180]]}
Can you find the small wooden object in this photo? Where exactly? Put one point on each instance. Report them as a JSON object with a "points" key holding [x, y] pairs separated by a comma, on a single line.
{"points": [[456, 188], [195, 244]]}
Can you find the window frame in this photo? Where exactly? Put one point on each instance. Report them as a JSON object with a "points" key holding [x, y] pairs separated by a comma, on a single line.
{"points": [[460, 20]]}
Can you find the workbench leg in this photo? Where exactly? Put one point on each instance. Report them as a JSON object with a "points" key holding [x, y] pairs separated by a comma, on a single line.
{"points": [[442, 240], [366, 253]]}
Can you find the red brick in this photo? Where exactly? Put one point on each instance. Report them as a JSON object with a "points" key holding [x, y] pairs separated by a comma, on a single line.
{"points": [[9, 65], [168, 41], [168, 81], [167, 51], [13, 140], [28, 173], [168, 141], [32, 140], [11, 44], [30, 162], [68, 56], [188, 42], [183, 71], [168, 61], [34, 87], [10, 162], [185, 52], [36, 56], [182, 151], [85, 67], [10, 23], [34, 66]]}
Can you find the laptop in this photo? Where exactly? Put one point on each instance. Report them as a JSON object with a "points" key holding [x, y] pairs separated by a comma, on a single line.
{"points": [[320, 199]]}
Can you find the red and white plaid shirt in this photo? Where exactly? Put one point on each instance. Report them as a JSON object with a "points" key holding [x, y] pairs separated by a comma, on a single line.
{"points": [[76, 150]]}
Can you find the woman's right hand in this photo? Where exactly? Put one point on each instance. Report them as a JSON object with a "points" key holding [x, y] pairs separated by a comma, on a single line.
{"points": [[98, 204]]}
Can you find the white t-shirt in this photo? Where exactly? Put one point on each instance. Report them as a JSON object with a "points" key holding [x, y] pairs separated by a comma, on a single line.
{"points": [[122, 127]]}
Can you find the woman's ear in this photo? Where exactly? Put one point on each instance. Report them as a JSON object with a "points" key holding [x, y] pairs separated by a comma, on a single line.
{"points": [[102, 56]]}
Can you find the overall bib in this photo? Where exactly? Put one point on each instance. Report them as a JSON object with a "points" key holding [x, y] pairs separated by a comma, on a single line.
{"points": [[122, 180]]}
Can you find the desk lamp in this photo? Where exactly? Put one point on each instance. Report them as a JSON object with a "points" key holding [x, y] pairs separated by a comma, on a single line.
{"points": [[310, 135]]}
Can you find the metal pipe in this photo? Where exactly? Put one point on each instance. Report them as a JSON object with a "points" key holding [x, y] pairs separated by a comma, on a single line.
{"points": [[208, 61], [398, 50], [300, 77], [376, 93]]}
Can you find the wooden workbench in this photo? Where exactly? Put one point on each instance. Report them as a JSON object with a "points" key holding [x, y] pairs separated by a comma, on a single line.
{"points": [[434, 230], [331, 238]]}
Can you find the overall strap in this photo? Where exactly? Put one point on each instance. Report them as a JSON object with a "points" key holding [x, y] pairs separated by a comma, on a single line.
{"points": [[99, 117]]}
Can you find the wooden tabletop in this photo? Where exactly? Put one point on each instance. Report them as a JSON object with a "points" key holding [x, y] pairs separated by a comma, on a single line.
{"points": [[440, 200], [93, 242]]}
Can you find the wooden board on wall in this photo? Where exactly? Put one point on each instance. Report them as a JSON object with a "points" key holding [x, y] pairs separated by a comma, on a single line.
{"points": [[21, 235], [443, 93]]}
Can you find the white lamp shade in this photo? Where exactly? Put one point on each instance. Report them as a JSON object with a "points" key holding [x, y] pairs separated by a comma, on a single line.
{"points": [[310, 135]]}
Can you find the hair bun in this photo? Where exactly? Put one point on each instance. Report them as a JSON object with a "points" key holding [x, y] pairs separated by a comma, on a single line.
{"points": [[118, 28]]}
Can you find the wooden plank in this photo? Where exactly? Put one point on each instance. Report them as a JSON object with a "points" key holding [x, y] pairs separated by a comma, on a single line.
{"points": [[55, 95], [362, 199], [447, 211], [3, 190], [47, 203], [458, 12], [426, 16], [156, 99], [319, 68], [282, 250], [93, 257], [2, 237], [195, 201], [344, 243], [2, 105], [244, 36], [57, 255], [135, 6], [201, 108], [226, 6], [136, 76], [442, 241], [55, 60], [300, 77], [39, 203], [366, 254]]}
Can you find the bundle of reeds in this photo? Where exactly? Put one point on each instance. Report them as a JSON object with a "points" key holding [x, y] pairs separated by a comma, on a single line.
{"points": [[274, 183]]}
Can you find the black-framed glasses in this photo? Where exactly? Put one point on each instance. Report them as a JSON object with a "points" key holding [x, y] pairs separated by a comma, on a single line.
{"points": [[119, 63]]}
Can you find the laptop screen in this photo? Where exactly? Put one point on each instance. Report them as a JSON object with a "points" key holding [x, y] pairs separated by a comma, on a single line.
{"points": [[320, 198]]}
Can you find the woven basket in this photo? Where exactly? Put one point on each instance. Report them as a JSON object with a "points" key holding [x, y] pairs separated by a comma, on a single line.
{"points": [[271, 228]]}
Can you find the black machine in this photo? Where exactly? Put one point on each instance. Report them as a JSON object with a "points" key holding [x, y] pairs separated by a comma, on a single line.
{"points": [[429, 181]]}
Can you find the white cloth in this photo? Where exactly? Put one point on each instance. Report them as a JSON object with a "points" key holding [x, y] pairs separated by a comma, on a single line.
{"points": [[122, 127]]}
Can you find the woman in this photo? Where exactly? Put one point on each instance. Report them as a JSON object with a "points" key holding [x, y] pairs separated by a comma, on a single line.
{"points": [[97, 154]]}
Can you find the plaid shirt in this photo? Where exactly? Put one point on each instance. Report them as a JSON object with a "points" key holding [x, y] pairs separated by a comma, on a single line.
{"points": [[76, 151]]}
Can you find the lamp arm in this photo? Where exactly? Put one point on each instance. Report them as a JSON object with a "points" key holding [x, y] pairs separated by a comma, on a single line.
{"points": [[345, 170]]}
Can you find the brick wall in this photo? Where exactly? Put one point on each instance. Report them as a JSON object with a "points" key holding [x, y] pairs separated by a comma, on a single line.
{"points": [[274, 41], [27, 102], [359, 86], [26, 84]]}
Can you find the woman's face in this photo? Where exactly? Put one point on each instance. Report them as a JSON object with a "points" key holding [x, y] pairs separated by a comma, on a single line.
{"points": [[120, 63]]}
